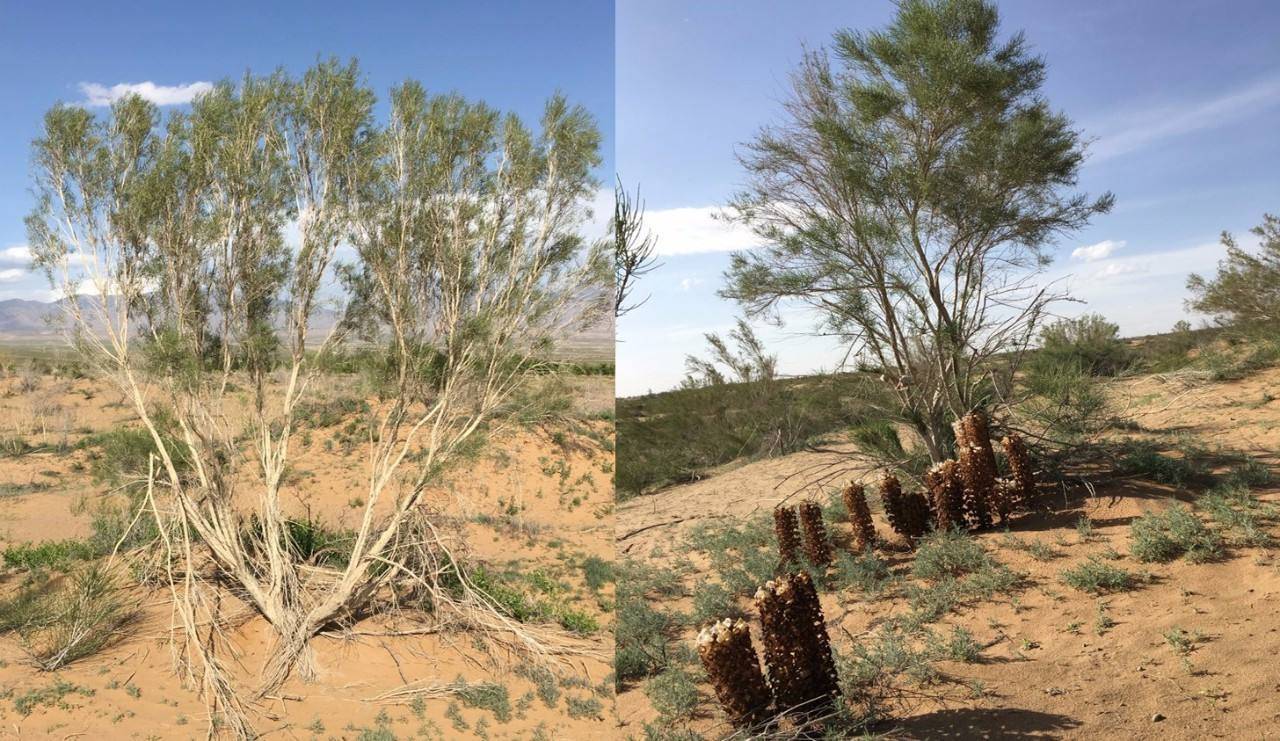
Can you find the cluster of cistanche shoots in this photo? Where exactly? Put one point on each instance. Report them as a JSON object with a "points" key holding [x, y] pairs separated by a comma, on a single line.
{"points": [[799, 678]]}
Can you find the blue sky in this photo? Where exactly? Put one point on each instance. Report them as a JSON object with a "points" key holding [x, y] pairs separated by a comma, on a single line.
{"points": [[1182, 99], [511, 54]]}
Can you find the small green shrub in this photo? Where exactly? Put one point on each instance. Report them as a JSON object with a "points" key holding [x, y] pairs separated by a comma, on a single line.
{"points": [[1161, 537], [490, 696], [673, 693], [959, 646], [646, 638], [52, 695], [713, 602], [596, 572], [1089, 343], [58, 555], [865, 572], [584, 707], [1240, 514], [949, 554], [1095, 577], [1143, 459], [76, 620]]}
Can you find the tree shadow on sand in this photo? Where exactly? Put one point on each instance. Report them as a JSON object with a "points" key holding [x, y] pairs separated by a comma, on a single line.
{"points": [[1004, 724]]}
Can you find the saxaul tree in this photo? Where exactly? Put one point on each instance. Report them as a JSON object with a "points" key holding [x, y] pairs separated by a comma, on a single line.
{"points": [[1245, 292], [634, 249], [907, 201], [195, 255]]}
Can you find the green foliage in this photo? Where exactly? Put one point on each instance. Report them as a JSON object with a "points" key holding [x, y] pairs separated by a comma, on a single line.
{"points": [[1239, 359], [742, 555], [712, 601], [675, 436], [491, 696], [58, 555], [1175, 532], [1144, 459], [328, 413], [864, 572], [120, 456], [1088, 343], [872, 674], [955, 570], [673, 693], [646, 637], [531, 598], [597, 572], [1095, 577], [313, 542], [1234, 508], [14, 446], [73, 620], [1068, 401], [583, 707], [544, 682], [52, 695], [959, 646], [113, 525], [1245, 294], [900, 237], [949, 554], [1171, 351], [28, 605]]}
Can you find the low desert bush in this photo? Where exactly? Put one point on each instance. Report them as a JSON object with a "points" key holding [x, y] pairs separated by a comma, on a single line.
{"points": [[1164, 536], [864, 572], [1095, 577], [646, 637], [954, 570], [743, 556], [1143, 459], [674, 694], [1089, 343], [78, 618], [1240, 514], [949, 554], [1068, 402], [675, 436]]}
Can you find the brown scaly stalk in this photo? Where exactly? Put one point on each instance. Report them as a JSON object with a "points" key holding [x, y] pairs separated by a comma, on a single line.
{"points": [[908, 513], [864, 529], [786, 529], [733, 668], [797, 649], [817, 548], [917, 514], [977, 477], [1020, 471], [946, 495]]}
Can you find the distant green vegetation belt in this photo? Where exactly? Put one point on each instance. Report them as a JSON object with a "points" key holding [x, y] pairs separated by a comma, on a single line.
{"points": [[674, 436]]}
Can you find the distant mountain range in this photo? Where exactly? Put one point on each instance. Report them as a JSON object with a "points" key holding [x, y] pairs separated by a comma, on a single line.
{"points": [[25, 321]]}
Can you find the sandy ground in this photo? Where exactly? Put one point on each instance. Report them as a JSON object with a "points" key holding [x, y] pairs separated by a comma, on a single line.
{"points": [[1044, 670], [537, 497]]}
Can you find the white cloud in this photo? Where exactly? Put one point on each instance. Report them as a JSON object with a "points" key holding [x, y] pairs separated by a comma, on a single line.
{"points": [[1116, 269], [690, 230], [1099, 251], [1132, 130], [12, 274], [18, 254], [101, 95], [689, 283]]}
